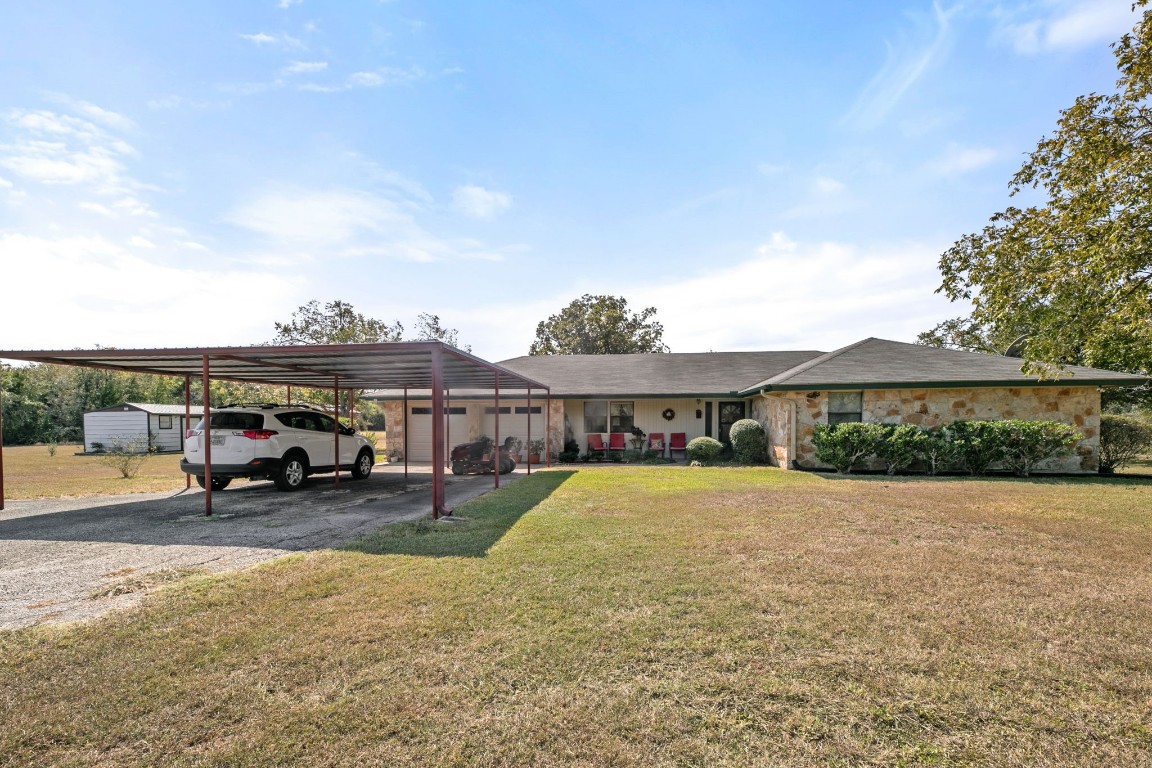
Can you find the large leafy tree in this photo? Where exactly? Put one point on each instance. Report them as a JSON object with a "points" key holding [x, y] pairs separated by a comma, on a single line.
{"points": [[598, 325], [336, 322], [1075, 271], [429, 328]]}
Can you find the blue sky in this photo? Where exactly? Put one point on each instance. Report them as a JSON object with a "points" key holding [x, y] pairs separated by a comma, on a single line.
{"points": [[768, 175]]}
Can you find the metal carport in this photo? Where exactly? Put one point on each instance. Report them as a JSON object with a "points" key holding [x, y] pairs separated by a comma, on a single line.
{"points": [[410, 365]]}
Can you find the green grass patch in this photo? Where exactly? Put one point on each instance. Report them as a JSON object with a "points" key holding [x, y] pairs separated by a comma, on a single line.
{"points": [[638, 616]]}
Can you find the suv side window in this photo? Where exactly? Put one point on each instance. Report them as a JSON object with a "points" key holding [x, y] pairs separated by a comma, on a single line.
{"points": [[295, 420], [324, 423]]}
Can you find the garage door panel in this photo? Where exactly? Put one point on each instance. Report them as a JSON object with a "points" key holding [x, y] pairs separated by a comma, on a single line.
{"points": [[420, 431]]}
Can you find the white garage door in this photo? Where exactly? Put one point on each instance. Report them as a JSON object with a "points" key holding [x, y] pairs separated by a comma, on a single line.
{"points": [[514, 421], [420, 430]]}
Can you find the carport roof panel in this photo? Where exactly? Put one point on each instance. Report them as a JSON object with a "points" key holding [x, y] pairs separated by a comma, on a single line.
{"points": [[359, 366]]}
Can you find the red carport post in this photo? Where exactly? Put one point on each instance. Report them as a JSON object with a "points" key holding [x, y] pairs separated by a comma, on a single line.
{"points": [[207, 437], [289, 401], [405, 421], [336, 428], [1, 447], [496, 446], [437, 434], [529, 451], [447, 428], [187, 422], [548, 433]]}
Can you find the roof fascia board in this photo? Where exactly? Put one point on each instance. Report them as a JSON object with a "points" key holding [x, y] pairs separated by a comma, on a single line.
{"points": [[503, 396], [985, 384]]}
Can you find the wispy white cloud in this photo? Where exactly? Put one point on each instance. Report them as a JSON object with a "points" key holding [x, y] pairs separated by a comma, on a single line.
{"points": [[50, 148], [105, 117], [825, 196], [479, 203], [288, 3], [141, 242], [140, 311], [375, 78], [304, 67], [1062, 24], [280, 40], [909, 59], [724, 309], [350, 224], [958, 159]]}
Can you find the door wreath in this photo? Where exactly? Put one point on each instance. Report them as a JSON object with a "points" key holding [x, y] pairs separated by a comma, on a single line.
{"points": [[668, 414]]}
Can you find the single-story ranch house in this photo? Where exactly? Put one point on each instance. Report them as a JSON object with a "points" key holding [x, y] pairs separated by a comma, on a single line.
{"points": [[873, 380]]}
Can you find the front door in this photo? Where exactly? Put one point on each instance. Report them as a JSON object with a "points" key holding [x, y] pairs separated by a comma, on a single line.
{"points": [[730, 413]]}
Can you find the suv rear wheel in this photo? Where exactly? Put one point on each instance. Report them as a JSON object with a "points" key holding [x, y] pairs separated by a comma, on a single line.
{"points": [[293, 470], [218, 483]]}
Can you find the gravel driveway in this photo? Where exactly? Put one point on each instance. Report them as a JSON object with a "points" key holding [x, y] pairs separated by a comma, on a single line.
{"points": [[71, 559]]}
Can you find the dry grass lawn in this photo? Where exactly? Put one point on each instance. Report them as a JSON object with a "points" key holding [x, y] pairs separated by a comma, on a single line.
{"points": [[30, 472], [618, 616]]}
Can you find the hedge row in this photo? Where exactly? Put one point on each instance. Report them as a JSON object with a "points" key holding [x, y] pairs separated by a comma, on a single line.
{"points": [[973, 445]]}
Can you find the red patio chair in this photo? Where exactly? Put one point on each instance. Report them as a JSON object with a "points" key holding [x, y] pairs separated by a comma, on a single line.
{"points": [[616, 442], [596, 445], [679, 443], [656, 442]]}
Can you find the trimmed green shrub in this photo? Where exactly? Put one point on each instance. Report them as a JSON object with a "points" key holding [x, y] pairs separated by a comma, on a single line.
{"points": [[978, 444], [704, 449], [901, 445], [844, 445], [937, 450], [1122, 440], [749, 444], [1027, 443]]}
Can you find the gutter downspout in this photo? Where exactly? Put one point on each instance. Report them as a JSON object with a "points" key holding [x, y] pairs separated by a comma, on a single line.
{"points": [[792, 427]]}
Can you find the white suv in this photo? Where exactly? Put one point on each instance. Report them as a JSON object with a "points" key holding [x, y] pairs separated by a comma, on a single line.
{"points": [[280, 443]]}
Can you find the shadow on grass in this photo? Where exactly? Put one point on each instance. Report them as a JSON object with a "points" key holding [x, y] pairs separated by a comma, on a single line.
{"points": [[475, 526]]}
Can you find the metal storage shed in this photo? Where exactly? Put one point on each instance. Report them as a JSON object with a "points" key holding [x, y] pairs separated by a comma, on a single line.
{"points": [[138, 427], [428, 365]]}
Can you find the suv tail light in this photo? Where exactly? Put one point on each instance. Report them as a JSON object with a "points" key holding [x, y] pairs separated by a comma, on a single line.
{"points": [[259, 434]]}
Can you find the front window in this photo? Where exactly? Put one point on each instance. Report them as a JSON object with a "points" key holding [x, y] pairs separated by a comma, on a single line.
{"points": [[595, 416], [845, 407], [622, 416], [609, 416]]}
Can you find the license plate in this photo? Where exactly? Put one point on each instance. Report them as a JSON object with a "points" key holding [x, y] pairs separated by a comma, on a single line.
{"points": [[218, 439]]}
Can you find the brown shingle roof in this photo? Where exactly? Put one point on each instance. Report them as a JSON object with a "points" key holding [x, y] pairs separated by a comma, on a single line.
{"points": [[677, 374], [876, 363]]}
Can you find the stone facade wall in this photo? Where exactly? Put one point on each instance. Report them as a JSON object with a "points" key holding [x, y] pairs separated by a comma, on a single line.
{"points": [[1077, 406], [775, 415], [394, 425]]}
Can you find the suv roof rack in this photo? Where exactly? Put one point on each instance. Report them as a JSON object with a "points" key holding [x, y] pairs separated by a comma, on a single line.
{"points": [[271, 406]]}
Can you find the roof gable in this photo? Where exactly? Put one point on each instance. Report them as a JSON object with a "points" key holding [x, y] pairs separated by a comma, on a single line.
{"points": [[874, 363]]}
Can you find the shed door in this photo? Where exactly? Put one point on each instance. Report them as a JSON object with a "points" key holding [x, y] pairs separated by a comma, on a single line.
{"points": [[420, 430]]}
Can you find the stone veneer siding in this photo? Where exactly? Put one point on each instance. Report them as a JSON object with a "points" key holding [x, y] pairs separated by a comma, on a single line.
{"points": [[1077, 406]]}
